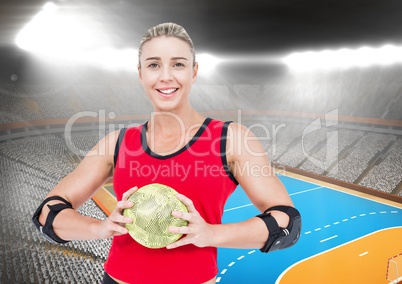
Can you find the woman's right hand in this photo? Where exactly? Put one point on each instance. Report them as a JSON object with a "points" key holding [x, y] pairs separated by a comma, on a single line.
{"points": [[114, 225]]}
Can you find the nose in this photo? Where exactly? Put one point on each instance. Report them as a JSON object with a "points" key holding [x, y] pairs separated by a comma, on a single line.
{"points": [[166, 74]]}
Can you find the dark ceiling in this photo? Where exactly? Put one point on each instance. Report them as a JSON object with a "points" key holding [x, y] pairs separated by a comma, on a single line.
{"points": [[225, 26], [233, 25]]}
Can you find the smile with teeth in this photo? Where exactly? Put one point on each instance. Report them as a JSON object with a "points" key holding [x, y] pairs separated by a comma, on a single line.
{"points": [[167, 91]]}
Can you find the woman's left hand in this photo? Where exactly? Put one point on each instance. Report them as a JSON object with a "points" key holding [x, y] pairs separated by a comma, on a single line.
{"points": [[198, 232]]}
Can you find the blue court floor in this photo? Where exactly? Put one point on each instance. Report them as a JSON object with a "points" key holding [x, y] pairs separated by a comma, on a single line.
{"points": [[330, 218]]}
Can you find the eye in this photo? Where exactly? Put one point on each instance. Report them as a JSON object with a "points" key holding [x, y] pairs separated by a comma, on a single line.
{"points": [[153, 65], [178, 64]]}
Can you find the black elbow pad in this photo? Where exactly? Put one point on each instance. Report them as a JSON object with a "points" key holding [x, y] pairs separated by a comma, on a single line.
{"points": [[47, 229], [281, 238]]}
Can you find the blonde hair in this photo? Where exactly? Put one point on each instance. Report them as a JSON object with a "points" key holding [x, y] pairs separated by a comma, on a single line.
{"points": [[168, 30]]}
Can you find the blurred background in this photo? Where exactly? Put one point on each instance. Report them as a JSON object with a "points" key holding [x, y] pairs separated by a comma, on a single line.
{"points": [[320, 82]]}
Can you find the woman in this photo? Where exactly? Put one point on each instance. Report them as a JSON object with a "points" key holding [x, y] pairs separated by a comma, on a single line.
{"points": [[201, 158]]}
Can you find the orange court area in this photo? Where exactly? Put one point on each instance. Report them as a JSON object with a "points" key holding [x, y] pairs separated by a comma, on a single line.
{"points": [[361, 261]]}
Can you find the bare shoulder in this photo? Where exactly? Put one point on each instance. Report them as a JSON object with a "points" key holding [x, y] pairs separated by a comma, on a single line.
{"points": [[239, 131], [101, 156], [241, 142], [106, 145]]}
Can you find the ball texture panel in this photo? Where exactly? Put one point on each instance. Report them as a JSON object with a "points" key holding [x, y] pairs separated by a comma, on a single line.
{"points": [[152, 215]]}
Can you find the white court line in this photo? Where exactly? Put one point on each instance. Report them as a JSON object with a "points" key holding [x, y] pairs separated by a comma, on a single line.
{"points": [[218, 279], [238, 207], [280, 277], [364, 253], [307, 190], [344, 220], [330, 238], [250, 204]]}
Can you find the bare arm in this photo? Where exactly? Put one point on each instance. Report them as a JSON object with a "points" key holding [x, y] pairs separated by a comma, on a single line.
{"points": [[261, 185], [77, 187], [250, 165]]}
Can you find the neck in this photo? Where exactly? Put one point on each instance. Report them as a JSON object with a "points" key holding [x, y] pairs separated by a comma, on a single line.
{"points": [[174, 122]]}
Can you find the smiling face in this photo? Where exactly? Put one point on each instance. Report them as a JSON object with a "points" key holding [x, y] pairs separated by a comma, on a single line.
{"points": [[167, 72]]}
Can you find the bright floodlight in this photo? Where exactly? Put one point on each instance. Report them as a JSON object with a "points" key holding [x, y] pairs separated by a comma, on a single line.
{"points": [[29, 37], [344, 58], [56, 34], [50, 7], [65, 37], [207, 63]]}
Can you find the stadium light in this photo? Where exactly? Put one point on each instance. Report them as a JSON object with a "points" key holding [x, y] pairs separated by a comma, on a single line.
{"points": [[56, 34], [26, 37], [64, 37], [207, 63], [344, 58]]}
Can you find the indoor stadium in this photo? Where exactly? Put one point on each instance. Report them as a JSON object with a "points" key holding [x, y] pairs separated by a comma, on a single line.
{"points": [[319, 83]]}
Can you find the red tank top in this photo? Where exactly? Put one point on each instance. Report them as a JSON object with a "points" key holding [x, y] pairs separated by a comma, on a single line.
{"points": [[199, 170]]}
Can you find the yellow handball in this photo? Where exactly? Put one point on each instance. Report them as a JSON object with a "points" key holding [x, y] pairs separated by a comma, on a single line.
{"points": [[152, 215]]}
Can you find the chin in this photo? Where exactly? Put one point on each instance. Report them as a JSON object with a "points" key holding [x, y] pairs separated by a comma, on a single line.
{"points": [[169, 107]]}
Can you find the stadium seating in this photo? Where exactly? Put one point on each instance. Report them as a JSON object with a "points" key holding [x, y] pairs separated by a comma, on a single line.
{"points": [[33, 165]]}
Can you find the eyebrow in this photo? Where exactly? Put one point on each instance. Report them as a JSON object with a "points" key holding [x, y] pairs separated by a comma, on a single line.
{"points": [[158, 58]]}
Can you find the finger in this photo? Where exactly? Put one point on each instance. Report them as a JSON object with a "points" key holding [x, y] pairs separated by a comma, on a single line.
{"points": [[179, 243], [127, 194], [116, 228], [182, 215], [119, 229], [123, 205], [185, 230], [120, 219], [187, 201]]}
